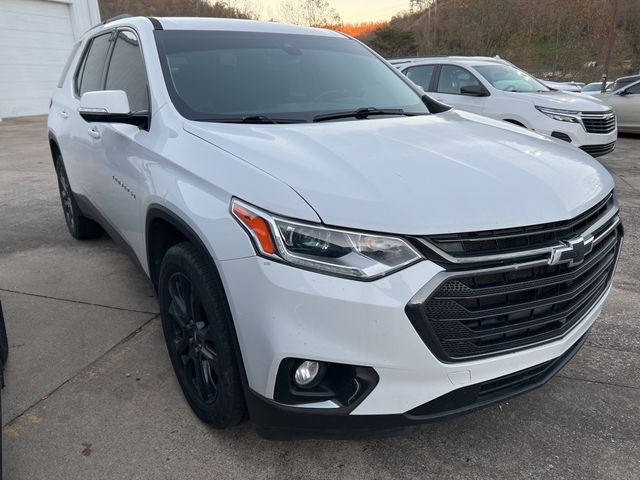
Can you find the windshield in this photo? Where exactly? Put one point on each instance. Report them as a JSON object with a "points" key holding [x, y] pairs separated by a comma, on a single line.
{"points": [[227, 76], [510, 79], [592, 87], [623, 82]]}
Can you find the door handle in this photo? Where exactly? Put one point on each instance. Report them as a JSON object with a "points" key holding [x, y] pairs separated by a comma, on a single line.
{"points": [[94, 132], [64, 114]]}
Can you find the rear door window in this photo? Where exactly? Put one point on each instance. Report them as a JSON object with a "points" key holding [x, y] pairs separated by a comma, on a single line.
{"points": [[92, 68], [421, 75]]}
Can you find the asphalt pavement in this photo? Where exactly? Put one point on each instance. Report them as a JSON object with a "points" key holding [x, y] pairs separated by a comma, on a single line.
{"points": [[91, 394]]}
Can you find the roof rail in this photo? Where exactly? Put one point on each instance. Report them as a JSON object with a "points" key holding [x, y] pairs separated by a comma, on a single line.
{"points": [[412, 59], [109, 20], [113, 19]]}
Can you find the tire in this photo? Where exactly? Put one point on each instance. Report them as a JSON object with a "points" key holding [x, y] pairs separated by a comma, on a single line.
{"points": [[199, 337], [80, 227]]}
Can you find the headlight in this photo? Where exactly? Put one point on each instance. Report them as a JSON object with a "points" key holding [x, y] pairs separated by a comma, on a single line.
{"points": [[561, 115], [327, 250]]}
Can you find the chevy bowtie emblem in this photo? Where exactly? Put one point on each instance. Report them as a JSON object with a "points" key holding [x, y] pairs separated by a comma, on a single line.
{"points": [[572, 252]]}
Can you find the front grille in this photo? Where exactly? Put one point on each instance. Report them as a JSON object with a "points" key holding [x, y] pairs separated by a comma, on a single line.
{"points": [[469, 246], [501, 307], [599, 123], [599, 150]]}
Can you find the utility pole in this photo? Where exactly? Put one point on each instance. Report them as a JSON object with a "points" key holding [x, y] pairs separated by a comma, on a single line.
{"points": [[611, 40]]}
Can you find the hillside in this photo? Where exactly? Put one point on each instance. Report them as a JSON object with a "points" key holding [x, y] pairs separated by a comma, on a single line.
{"points": [[543, 36]]}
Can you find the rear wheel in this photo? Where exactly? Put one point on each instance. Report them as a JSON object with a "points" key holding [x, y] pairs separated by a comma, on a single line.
{"points": [[197, 329], [80, 227], [4, 343]]}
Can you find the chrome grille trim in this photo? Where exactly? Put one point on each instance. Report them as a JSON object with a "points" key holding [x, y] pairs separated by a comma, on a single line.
{"points": [[610, 221], [598, 122]]}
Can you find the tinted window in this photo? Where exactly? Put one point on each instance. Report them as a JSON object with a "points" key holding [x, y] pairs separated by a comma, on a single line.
{"points": [[227, 75], [421, 75], [453, 78], [72, 54], [93, 65], [592, 87], [126, 71], [634, 89]]}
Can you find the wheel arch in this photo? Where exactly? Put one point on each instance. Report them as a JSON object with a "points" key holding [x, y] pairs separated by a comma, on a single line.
{"points": [[54, 147], [163, 229], [161, 220]]}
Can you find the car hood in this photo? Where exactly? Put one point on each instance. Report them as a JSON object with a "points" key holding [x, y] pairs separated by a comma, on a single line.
{"points": [[445, 173], [562, 100]]}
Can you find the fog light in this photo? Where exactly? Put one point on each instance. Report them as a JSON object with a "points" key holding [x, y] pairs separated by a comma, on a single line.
{"points": [[306, 373]]}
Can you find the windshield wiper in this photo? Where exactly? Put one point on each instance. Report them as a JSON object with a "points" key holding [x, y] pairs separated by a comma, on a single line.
{"points": [[265, 119], [360, 113], [259, 119]]}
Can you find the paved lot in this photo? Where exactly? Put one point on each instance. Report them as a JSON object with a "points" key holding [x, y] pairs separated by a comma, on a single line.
{"points": [[91, 395]]}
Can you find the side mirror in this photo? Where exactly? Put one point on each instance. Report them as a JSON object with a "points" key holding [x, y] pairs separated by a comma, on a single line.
{"points": [[622, 92], [110, 106], [474, 91]]}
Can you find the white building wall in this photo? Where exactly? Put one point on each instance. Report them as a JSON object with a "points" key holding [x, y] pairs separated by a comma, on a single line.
{"points": [[36, 37]]}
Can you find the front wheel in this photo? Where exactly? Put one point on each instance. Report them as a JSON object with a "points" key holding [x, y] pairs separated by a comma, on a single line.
{"points": [[197, 329]]}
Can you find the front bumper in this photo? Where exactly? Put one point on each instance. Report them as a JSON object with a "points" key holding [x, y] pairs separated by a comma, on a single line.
{"points": [[278, 422], [282, 312], [596, 144]]}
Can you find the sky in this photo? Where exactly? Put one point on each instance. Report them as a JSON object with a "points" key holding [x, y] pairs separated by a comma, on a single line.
{"points": [[351, 11]]}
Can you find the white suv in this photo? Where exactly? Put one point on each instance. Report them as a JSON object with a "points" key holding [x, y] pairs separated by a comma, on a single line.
{"points": [[497, 89], [332, 250]]}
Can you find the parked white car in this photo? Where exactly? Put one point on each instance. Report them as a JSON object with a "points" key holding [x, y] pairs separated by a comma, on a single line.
{"points": [[499, 90], [563, 86], [626, 103], [595, 87], [333, 251]]}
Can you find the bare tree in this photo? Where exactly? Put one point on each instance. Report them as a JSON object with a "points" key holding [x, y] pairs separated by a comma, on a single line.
{"points": [[193, 8], [313, 13]]}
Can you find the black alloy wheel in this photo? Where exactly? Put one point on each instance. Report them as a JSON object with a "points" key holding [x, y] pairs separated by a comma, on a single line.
{"points": [[199, 334], [80, 227], [65, 197], [192, 337]]}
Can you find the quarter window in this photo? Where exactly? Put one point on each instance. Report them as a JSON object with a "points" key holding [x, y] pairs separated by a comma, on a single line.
{"points": [[453, 78], [90, 75], [127, 72], [421, 75], [70, 58]]}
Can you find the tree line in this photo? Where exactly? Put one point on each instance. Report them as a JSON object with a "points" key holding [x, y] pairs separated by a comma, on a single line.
{"points": [[561, 39], [558, 39]]}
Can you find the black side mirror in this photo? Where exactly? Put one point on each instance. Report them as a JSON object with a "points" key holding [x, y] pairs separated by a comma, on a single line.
{"points": [[474, 91]]}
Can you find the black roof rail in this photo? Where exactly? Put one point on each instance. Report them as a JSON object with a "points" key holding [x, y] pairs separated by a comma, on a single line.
{"points": [[156, 23]]}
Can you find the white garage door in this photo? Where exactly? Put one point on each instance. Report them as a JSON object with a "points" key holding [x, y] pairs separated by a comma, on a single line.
{"points": [[35, 38]]}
